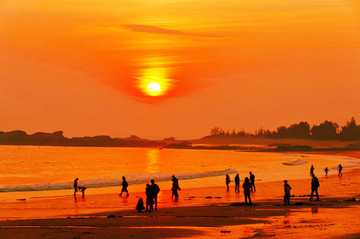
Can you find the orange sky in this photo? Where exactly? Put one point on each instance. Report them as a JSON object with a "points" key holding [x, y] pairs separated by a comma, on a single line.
{"points": [[83, 66]]}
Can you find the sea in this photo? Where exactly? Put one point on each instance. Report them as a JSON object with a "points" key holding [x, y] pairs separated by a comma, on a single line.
{"points": [[41, 171]]}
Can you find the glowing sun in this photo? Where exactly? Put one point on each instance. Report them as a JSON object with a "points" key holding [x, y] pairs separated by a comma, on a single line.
{"points": [[153, 89]]}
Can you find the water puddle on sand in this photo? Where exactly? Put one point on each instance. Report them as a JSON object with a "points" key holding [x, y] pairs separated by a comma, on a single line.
{"points": [[306, 223]]}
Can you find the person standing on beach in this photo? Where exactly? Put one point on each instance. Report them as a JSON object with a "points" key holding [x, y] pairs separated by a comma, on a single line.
{"points": [[149, 198], [247, 186], [312, 170], [326, 171], [340, 170], [314, 187], [252, 181], [237, 183], [227, 180], [175, 187], [155, 188], [124, 187], [75, 186], [287, 196]]}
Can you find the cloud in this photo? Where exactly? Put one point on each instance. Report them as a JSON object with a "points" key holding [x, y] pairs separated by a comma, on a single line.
{"points": [[161, 30]]}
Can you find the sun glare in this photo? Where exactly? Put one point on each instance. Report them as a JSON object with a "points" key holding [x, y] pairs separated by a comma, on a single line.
{"points": [[154, 81], [154, 89]]}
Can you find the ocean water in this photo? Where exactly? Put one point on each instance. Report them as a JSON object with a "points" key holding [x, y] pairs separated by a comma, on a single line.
{"points": [[30, 171]]}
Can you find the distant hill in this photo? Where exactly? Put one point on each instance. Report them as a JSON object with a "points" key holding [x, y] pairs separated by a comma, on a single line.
{"points": [[19, 137]]}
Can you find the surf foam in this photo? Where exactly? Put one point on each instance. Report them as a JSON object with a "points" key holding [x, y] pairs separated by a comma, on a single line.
{"points": [[116, 180]]}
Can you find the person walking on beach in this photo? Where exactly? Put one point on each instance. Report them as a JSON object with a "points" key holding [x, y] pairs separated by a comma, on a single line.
{"points": [[82, 190], [252, 181], [227, 180], [287, 196], [314, 187], [326, 171], [237, 183], [124, 187], [149, 198], [155, 188], [75, 186], [340, 170], [247, 186], [312, 170], [175, 187]]}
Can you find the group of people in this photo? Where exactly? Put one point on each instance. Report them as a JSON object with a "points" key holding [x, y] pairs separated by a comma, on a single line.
{"points": [[152, 190], [315, 184], [314, 189], [327, 170], [248, 185], [78, 188]]}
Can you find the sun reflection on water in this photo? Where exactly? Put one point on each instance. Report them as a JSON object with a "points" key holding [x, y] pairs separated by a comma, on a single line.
{"points": [[153, 161]]}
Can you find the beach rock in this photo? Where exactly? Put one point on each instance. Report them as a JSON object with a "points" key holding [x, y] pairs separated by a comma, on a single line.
{"points": [[111, 216], [208, 197], [225, 231]]}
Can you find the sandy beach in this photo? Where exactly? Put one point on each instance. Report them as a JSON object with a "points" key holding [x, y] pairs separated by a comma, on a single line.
{"points": [[199, 213]]}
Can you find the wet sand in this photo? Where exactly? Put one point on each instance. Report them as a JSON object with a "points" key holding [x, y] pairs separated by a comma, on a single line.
{"points": [[200, 213]]}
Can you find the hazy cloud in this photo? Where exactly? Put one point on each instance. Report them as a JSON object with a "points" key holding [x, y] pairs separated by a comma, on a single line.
{"points": [[161, 30]]}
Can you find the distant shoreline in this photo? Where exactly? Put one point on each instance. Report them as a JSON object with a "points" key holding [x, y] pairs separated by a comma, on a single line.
{"points": [[212, 142]]}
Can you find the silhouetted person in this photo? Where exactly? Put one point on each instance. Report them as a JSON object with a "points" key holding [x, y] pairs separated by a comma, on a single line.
{"points": [[124, 187], [252, 181], [340, 170], [75, 186], [314, 187], [149, 198], [140, 205], [155, 188], [82, 190], [287, 196], [326, 171], [175, 187], [312, 170], [237, 183], [247, 188], [227, 180]]}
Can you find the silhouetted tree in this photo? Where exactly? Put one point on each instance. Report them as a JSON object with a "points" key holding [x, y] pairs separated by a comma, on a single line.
{"points": [[282, 132], [350, 131], [300, 130], [326, 130], [215, 131]]}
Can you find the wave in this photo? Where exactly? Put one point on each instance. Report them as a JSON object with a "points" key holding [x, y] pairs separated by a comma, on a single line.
{"points": [[116, 180], [296, 162]]}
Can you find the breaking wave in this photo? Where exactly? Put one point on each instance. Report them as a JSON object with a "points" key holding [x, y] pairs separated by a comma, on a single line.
{"points": [[116, 180]]}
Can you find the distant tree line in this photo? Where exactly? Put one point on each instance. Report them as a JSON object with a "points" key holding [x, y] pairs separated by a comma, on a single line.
{"points": [[327, 130]]}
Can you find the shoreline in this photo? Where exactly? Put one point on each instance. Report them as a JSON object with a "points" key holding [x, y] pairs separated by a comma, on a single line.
{"points": [[196, 215]]}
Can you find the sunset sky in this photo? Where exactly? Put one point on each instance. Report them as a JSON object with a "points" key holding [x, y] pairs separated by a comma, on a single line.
{"points": [[84, 67]]}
